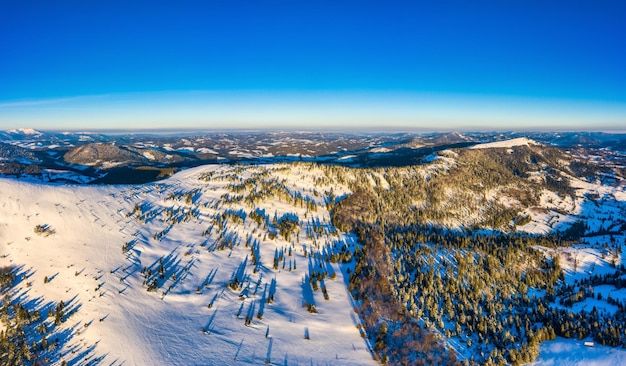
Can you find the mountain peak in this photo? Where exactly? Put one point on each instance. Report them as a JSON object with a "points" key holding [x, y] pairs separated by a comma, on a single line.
{"points": [[25, 131]]}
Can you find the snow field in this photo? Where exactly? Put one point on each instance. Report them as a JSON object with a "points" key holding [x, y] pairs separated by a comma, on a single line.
{"points": [[118, 320]]}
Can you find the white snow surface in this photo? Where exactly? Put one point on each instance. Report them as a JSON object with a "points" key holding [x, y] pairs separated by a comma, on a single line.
{"points": [[205, 150], [570, 352], [521, 141], [120, 321], [557, 212], [347, 158], [25, 131]]}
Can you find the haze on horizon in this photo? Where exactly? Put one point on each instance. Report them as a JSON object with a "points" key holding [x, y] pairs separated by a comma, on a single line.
{"points": [[313, 65]]}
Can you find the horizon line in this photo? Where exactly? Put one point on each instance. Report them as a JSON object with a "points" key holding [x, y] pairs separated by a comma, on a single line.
{"points": [[338, 129]]}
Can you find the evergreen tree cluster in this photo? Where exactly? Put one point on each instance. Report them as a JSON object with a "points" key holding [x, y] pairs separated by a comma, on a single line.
{"points": [[31, 335]]}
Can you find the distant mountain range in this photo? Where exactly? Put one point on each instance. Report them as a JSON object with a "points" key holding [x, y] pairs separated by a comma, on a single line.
{"points": [[102, 158]]}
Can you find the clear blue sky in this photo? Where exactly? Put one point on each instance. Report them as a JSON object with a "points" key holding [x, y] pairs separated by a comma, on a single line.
{"points": [[221, 64]]}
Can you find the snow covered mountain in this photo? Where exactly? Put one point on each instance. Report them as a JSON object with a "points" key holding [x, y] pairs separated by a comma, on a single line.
{"points": [[520, 141], [269, 263], [123, 158], [166, 273], [25, 132]]}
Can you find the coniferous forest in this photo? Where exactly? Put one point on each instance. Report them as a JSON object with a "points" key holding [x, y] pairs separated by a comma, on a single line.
{"points": [[482, 284]]}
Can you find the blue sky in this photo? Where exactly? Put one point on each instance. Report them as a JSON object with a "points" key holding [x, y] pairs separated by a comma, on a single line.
{"points": [[465, 65]]}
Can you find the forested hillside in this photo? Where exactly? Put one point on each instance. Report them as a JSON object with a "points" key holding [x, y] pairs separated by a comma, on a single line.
{"points": [[441, 249]]}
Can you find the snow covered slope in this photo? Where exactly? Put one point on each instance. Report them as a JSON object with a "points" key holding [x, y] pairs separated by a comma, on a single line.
{"points": [[570, 352], [225, 264], [521, 141], [179, 272]]}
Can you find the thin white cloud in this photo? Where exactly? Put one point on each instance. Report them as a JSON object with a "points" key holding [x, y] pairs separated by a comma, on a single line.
{"points": [[37, 102]]}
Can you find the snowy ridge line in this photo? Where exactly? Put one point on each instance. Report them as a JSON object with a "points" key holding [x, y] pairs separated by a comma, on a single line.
{"points": [[521, 141]]}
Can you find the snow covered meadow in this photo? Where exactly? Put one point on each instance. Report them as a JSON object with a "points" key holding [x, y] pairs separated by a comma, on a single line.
{"points": [[225, 292]]}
